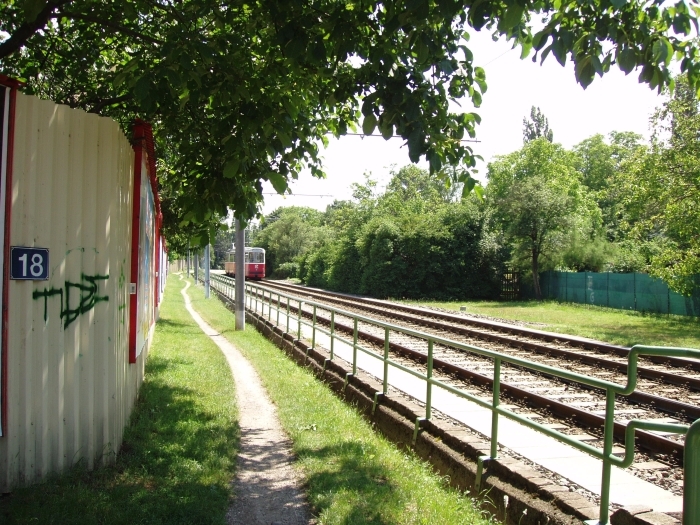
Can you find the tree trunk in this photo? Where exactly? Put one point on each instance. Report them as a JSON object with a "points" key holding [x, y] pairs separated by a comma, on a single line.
{"points": [[536, 274]]}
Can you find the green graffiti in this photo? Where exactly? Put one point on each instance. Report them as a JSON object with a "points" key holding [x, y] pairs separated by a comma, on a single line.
{"points": [[121, 283], [88, 298]]}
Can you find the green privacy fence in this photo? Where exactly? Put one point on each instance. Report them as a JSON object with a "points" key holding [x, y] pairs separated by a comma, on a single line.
{"points": [[626, 291]]}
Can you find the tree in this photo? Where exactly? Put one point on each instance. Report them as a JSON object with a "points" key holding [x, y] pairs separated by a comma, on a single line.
{"points": [[222, 245], [538, 200], [602, 166], [288, 233], [246, 91], [537, 127], [664, 191]]}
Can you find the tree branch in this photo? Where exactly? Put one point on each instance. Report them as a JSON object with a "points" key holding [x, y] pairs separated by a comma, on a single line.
{"points": [[108, 102], [25, 31], [112, 25]]}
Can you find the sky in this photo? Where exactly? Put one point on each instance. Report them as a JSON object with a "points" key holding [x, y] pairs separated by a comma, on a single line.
{"points": [[614, 102]]}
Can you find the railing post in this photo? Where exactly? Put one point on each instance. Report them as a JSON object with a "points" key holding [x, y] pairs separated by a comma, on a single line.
{"points": [[385, 383], [278, 309], [287, 316], [495, 401], [607, 452], [332, 333], [313, 331], [299, 322], [429, 387], [354, 348], [691, 475]]}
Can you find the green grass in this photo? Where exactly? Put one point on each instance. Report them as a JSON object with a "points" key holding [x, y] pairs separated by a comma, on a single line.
{"points": [[605, 324], [179, 453], [353, 475]]}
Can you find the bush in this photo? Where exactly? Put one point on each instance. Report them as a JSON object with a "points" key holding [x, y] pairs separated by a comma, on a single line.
{"points": [[286, 271]]}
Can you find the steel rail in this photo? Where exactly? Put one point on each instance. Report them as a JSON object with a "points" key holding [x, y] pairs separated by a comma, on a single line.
{"points": [[620, 351], [660, 403]]}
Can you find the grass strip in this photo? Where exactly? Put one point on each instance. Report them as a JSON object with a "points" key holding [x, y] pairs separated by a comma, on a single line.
{"points": [[620, 327], [353, 475], [179, 452]]}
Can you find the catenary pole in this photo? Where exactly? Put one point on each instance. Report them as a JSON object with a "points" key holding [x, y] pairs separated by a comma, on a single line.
{"points": [[240, 277]]}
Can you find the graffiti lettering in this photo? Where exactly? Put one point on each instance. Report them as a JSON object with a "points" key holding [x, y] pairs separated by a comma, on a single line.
{"points": [[88, 298]]}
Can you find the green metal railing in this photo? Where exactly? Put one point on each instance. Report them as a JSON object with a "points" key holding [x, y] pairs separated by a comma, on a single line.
{"points": [[263, 300]]}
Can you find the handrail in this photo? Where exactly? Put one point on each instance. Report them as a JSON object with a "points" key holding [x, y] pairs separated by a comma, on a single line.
{"points": [[269, 300]]}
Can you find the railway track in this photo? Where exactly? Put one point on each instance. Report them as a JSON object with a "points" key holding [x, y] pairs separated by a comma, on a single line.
{"points": [[539, 396]]}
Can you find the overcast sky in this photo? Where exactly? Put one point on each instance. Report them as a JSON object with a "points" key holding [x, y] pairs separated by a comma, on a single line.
{"points": [[613, 103]]}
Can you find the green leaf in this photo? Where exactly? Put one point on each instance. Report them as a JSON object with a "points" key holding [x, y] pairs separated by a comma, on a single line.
{"points": [[514, 15], [617, 4], [369, 123], [279, 182], [476, 99], [386, 128], [231, 168], [585, 71], [32, 8], [662, 51], [559, 51], [627, 60], [284, 138], [540, 39], [142, 88], [291, 107]]}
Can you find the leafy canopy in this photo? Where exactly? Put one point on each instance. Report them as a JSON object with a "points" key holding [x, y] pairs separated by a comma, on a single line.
{"points": [[245, 91], [663, 190]]}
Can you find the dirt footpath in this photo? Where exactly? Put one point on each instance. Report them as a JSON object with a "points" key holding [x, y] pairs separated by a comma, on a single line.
{"points": [[267, 487]]}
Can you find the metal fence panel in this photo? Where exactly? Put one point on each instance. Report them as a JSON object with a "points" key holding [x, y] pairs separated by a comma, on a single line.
{"points": [[70, 387]]}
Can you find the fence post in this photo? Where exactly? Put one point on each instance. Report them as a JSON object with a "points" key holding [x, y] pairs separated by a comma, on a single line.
{"points": [[607, 452], [691, 475], [429, 388], [385, 383], [313, 331], [495, 401], [354, 349], [332, 332]]}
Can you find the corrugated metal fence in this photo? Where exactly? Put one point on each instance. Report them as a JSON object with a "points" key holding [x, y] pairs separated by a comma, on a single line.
{"points": [[69, 385]]}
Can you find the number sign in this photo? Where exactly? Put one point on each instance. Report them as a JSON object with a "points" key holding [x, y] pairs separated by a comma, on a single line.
{"points": [[29, 264]]}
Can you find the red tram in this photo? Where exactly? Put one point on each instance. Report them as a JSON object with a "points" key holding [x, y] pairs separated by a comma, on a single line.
{"points": [[254, 263]]}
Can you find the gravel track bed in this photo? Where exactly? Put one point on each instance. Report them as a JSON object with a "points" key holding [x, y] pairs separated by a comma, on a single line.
{"points": [[663, 470], [553, 388]]}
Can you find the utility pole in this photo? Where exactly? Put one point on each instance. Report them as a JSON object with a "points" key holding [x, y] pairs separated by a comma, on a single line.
{"points": [[240, 277], [206, 273]]}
